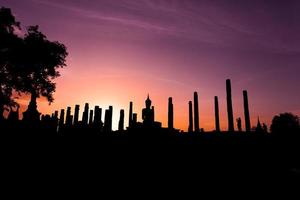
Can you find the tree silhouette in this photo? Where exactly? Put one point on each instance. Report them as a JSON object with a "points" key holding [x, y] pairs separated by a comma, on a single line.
{"points": [[285, 123], [9, 46], [40, 63], [27, 64]]}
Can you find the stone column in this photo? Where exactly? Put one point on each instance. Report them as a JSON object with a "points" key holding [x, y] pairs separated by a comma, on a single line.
{"points": [[170, 114], [110, 117], [246, 111], [134, 119], [61, 119], [229, 106], [91, 117], [121, 121], [106, 121], [97, 117], [196, 112], [217, 119], [85, 114], [76, 114], [130, 114], [68, 117], [190, 129]]}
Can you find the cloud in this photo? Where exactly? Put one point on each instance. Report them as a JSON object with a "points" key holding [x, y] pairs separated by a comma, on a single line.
{"points": [[202, 22], [97, 15]]}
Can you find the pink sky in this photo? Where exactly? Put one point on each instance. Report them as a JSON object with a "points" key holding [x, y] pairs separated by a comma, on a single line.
{"points": [[121, 50]]}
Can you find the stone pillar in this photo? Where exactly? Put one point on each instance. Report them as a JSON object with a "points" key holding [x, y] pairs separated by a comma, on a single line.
{"points": [[229, 106], [91, 117], [106, 121], [153, 116], [68, 117], [76, 114], [85, 114], [130, 114], [97, 116], [121, 121], [170, 114], [217, 119], [196, 112], [56, 114], [190, 129], [61, 118], [134, 119], [110, 117], [246, 111]]}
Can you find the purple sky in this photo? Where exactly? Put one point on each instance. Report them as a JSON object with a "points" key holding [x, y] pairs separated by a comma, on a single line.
{"points": [[171, 48]]}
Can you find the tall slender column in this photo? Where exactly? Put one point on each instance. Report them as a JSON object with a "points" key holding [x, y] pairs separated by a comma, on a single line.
{"points": [[110, 117], [121, 121], [196, 112], [190, 129], [68, 116], [217, 119], [229, 106], [246, 111], [76, 114], [85, 114], [130, 114], [134, 119], [170, 114], [91, 117], [62, 118]]}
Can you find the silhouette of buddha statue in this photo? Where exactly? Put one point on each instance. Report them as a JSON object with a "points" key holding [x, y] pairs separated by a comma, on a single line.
{"points": [[148, 113]]}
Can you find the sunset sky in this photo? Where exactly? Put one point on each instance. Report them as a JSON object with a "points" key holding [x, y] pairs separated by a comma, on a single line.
{"points": [[121, 50]]}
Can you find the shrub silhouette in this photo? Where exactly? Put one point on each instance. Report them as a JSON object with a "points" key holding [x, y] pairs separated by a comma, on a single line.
{"points": [[285, 123]]}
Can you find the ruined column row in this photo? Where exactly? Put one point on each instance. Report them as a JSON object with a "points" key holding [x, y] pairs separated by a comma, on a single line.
{"points": [[194, 117], [93, 117]]}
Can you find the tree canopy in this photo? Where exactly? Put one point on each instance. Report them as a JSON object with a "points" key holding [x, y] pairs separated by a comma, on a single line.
{"points": [[9, 44]]}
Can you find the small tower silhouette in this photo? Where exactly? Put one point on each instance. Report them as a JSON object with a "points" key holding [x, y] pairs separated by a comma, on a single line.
{"points": [[196, 112], [32, 115], [217, 119], [246, 111], [85, 114], [259, 128], [130, 114], [229, 106], [170, 114], [76, 114], [121, 121], [190, 129]]}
